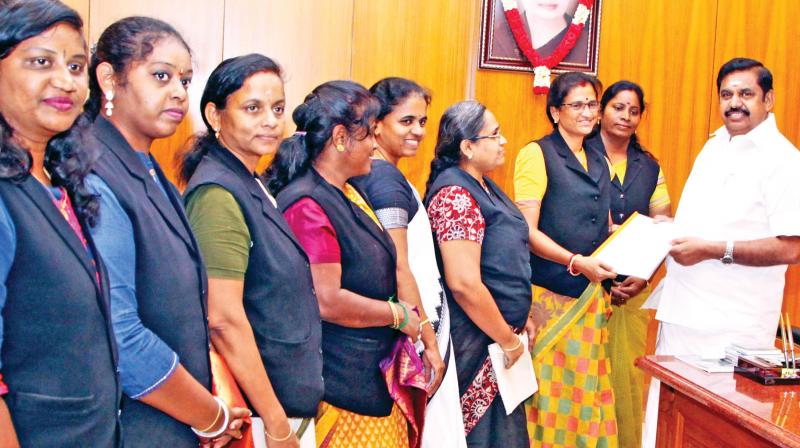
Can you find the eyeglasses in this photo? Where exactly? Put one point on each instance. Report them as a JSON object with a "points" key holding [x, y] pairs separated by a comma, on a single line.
{"points": [[497, 136], [578, 106]]}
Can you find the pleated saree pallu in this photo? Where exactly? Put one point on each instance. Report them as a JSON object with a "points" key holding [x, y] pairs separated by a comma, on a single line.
{"points": [[574, 406]]}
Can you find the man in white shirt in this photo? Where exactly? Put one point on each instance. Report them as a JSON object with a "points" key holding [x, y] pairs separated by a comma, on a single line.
{"points": [[740, 214]]}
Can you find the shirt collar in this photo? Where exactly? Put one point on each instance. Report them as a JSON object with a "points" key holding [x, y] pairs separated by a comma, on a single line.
{"points": [[758, 136]]}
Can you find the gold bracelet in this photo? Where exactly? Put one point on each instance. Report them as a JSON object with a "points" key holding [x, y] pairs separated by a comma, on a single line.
{"points": [[426, 321], [280, 440], [395, 316], [216, 417], [519, 342]]}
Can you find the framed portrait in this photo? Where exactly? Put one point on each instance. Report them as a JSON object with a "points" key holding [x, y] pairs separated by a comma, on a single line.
{"points": [[546, 22]]}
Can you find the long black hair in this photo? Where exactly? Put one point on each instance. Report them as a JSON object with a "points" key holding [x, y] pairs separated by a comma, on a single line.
{"points": [[392, 91], [67, 157], [330, 104], [461, 121], [229, 76], [125, 41]]}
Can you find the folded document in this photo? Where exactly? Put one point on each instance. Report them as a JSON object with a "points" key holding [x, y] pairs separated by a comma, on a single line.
{"points": [[518, 383], [638, 247]]}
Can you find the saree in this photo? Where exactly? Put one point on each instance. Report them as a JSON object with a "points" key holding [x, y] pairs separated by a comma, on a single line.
{"points": [[405, 379], [574, 406], [627, 340]]}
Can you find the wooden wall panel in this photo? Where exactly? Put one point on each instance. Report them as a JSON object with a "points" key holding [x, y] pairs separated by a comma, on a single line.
{"points": [[766, 31], [82, 6], [200, 24], [311, 39], [431, 42], [636, 43]]}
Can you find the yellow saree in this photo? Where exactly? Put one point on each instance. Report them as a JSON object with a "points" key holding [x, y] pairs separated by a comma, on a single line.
{"points": [[574, 406]]}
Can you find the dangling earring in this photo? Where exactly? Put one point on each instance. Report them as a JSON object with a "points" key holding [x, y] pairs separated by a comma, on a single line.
{"points": [[109, 105], [340, 147], [216, 134], [469, 156]]}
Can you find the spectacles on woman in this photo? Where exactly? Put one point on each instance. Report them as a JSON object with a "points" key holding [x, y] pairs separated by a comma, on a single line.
{"points": [[578, 106], [497, 136]]}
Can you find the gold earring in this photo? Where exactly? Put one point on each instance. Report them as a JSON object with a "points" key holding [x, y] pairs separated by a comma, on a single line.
{"points": [[216, 134], [340, 147], [469, 156]]}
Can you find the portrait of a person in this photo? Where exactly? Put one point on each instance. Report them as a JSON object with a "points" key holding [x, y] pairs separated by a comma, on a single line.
{"points": [[546, 23]]}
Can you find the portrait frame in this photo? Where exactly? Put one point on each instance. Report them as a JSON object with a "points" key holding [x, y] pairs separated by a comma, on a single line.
{"points": [[496, 41]]}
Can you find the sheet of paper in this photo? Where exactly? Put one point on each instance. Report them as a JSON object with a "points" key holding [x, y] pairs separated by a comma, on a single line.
{"points": [[709, 365], [638, 247], [307, 440], [518, 383]]}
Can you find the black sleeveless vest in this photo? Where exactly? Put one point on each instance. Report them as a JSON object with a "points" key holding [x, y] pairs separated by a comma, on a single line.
{"points": [[574, 211], [170, 279], [353, 380], [505, 268], [59, 355], [641, 177], [279, 297]]}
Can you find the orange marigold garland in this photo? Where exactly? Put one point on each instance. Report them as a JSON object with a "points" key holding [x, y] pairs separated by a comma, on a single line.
{"points": [[541, 66]]}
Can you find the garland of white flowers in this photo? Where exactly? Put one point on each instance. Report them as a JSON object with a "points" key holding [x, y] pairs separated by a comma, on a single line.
{"points": [[541, 66]]}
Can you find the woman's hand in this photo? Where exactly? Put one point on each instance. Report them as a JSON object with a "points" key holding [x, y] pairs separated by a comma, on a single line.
{"points": [[434, 366], [280, 431], [623, 291], [412, 328], [233, 431], [662, 218], [530, 328], [512, 350], [595, 270]]}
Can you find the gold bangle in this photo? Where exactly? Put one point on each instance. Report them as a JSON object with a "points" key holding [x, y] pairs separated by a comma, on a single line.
{"points": [[216, 417], [280, 440], [395, 316], [519, 342], [426, 321]]}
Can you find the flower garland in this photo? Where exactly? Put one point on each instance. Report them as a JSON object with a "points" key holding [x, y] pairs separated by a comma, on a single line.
{"points": [[541, 66]]}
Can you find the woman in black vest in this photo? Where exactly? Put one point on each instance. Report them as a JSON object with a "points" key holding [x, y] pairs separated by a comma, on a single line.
{"points": [[58, 381], [138, 76], [352, 263], [483, 246], [263, 314], [562, 188], [637, 186]]}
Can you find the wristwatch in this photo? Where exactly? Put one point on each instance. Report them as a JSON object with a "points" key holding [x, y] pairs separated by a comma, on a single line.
{"points": [[728, 257]]}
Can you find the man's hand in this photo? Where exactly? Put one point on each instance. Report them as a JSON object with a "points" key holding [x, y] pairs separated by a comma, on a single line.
{"points": [[690, 251]]}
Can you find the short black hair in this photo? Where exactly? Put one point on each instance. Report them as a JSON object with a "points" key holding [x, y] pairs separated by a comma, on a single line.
{"points": [[744, 64]]}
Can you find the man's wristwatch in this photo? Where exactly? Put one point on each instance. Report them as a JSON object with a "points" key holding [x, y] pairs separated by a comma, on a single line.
{"points": [[728, 257]]}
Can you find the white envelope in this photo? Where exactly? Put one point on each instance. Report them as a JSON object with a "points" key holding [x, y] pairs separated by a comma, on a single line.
{"points": [[518, 383], [638, 247]]}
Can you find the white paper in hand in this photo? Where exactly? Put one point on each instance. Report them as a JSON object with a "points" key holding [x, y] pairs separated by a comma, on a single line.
{"points": [[638, 247], [517, 383]]}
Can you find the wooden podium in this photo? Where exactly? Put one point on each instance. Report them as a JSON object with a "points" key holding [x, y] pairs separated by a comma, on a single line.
{"points": [[715, 410]]}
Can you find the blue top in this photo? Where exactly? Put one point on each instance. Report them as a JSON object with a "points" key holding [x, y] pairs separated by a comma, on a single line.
{"points": [[8, 241], [145, 361], [389, 194]]}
